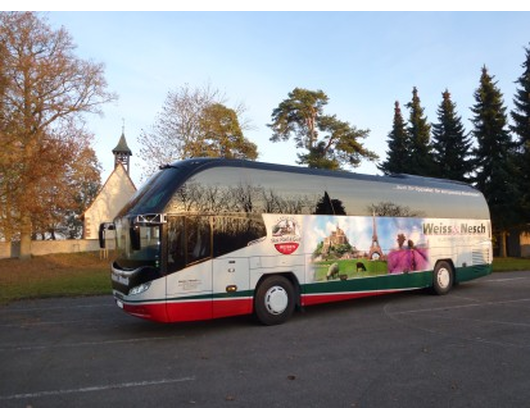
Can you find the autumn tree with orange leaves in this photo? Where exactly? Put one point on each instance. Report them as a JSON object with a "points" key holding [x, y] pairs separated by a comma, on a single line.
{"points": [[45, 91]]}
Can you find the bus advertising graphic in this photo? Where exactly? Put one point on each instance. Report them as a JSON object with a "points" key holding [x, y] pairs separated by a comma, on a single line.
{"points": [[364, 246], [286, 235]]}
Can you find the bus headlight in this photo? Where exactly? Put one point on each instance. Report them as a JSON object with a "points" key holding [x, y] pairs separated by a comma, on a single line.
{"points": [[140, 289]]}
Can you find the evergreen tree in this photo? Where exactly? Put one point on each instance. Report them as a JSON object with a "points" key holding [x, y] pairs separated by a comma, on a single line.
{"points": [[398, 145], [326, 141], [521, 128], [419, 133], [495, 171], [450, 143]]}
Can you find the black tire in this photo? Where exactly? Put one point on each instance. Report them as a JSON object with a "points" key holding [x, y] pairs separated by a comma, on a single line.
{"points": [[274, 302], [443, 278]]}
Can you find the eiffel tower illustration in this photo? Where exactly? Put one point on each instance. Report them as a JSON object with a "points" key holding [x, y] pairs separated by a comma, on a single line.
{"points": [[375, 248]]}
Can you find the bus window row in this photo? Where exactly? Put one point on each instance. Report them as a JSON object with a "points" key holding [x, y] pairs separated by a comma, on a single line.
{"points": [[245, 190]]}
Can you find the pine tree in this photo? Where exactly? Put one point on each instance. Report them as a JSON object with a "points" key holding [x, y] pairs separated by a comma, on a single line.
{"points": [[419, 132], [521, 128], [326, 141], [450, 143], [495, 171], [398, 145]]}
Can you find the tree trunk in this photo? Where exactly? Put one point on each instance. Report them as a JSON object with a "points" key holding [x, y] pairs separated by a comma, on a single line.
{"points": [[502, 244], [25, 238]]}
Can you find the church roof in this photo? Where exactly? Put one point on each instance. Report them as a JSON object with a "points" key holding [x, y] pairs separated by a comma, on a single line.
{"points": [[122, 146]]}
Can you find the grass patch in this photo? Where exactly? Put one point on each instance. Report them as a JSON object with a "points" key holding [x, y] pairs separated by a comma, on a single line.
{"points": [[55, 275], [511, 264], [349, 268]]}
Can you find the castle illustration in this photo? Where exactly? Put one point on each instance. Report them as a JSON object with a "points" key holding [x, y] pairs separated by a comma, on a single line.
{"points": [[337, 237], [338, 240]]}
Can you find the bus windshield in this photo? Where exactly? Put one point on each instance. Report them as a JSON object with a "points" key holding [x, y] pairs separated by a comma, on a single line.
{"points": [[137, 245], [155, 193]]}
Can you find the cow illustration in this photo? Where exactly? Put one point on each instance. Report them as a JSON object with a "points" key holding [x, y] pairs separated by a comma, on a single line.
{"points": [[361, 267]]}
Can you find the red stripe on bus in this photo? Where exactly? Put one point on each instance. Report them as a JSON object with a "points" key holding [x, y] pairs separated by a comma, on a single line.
{"points": [[232, 307], [330, 297], [153, 312], [200, 310], [190, 310]]}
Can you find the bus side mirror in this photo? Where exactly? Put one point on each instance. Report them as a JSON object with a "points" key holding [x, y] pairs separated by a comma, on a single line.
{"points": [[101, 235], [103, 227], [135, 238]]}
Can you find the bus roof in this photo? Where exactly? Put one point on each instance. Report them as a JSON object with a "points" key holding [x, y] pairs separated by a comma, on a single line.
{"points": [[200, 164], [425, 192]]}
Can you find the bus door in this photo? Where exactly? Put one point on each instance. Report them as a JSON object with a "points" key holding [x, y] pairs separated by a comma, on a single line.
{"points": [[234, 236], [231, 295], [189, 280]]}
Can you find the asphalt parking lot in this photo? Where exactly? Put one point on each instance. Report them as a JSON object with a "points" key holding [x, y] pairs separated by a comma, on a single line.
{"points": [[467, 349]]}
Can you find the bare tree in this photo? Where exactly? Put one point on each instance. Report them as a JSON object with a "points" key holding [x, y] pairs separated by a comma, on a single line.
{"points": [[194, 122], [45, 88]]}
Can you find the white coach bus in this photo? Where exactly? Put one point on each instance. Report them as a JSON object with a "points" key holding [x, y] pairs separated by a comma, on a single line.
{"points": [[211, 238]]}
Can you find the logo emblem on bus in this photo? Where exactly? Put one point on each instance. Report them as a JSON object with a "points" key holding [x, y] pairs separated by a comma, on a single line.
{"points": [[286, 235]]}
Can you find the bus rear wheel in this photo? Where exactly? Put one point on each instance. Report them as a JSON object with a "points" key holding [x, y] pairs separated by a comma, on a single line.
{"points": [[443, 278], [274, 302]]}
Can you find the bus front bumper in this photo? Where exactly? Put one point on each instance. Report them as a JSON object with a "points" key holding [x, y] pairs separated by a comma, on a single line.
{"points": [[151, 310]]}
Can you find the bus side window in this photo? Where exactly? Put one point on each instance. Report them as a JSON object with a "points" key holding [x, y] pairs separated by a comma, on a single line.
{"points": [[328, 205], [236, 232], [198, 237], [176, 243], [189, 241]]}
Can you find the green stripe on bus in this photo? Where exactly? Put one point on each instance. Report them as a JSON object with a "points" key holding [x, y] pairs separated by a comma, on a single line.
{"points": [[464, 274], [217, 296], [412, 280], [368, 284]]}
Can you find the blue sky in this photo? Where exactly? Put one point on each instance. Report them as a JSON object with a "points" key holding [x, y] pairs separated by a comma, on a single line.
{"points": [[364, 62]]}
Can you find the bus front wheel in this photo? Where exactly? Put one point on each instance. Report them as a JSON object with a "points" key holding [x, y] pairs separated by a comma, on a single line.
{"points": [[274, 302], [443, 278]]}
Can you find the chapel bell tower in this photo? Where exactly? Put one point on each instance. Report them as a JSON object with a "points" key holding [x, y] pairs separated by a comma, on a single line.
{"points": [[122, 153]]}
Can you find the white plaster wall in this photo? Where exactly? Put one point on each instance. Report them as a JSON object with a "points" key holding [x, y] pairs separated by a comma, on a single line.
{"points": [[115, 193]]}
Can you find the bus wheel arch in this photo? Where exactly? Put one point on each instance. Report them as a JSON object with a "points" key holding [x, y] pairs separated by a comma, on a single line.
{"points": [[276, 298], [443, 277]]}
